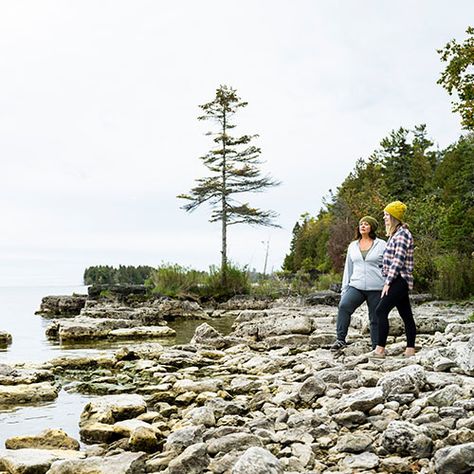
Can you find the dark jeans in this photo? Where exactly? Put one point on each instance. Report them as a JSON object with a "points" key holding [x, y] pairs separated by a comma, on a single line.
{"points": [[350, 301], [397, 297]]}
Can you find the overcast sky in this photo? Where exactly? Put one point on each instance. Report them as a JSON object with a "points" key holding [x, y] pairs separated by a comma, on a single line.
{"points": [[99, 104]]}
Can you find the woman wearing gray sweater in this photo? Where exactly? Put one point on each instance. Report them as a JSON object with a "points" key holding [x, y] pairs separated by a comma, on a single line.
{"points": [[362, 280]]}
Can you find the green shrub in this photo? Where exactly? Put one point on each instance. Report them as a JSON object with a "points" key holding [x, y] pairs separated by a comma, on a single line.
{"points": [[271, 287], [455, 276], [237, 283], [302, 284], [175, 280], [325, 281]]}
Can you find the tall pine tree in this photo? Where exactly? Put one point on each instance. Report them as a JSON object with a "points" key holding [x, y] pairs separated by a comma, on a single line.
{"points": [[234, 165]]}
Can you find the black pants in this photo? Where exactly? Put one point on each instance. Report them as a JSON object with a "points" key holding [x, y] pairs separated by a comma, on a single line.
{"points": [[397, 297]]}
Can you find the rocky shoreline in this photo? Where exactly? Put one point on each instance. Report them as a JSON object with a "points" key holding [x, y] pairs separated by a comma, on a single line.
{"points": [[270, 397]]}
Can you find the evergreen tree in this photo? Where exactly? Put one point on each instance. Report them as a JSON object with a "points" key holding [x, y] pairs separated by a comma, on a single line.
{"points": [[234, 166]]}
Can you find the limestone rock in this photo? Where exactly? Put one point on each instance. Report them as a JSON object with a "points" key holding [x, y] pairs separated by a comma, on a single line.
{"points": [[231, 441], [33, 461], [406, 439], [257, 460], [409, 379], [123, 463], [31, 393], [363, 399], [112, 408], [47, 439], [144, 439], [182, 438], [193, 460], [455, 459]]}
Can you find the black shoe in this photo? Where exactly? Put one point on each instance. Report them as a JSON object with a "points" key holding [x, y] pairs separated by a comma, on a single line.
{"points": [[338, 345]]}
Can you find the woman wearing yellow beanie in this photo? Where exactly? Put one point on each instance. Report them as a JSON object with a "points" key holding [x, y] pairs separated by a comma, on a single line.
{"points": [[397, 269]]}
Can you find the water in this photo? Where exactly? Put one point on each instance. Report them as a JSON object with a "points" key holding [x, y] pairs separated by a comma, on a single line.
{"points": [[17, 316]]}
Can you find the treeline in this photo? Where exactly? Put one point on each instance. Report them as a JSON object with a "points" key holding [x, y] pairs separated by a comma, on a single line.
{"points": [[105, 274], [438, 188]]}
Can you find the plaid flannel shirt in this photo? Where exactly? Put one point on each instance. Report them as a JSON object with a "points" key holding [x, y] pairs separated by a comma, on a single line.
{"points": [[398, 257]]}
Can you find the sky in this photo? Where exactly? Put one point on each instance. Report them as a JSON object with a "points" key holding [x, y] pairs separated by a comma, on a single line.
{"points": [[98, 118]]}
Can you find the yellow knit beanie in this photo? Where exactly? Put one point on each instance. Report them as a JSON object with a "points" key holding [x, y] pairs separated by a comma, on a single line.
{"points": [[396, 209]]}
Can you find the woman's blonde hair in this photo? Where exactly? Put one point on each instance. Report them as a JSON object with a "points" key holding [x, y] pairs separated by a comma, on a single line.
{"points": [[392, 225]]}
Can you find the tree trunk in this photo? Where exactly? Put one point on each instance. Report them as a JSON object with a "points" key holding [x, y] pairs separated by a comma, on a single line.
{"points": [[224, 208]]}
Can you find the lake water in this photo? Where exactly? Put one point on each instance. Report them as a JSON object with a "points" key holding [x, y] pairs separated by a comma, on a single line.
{"points": [[17, 316]]}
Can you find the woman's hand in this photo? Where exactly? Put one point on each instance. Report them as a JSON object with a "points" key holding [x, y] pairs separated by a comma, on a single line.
{"points": [[385, 290]]}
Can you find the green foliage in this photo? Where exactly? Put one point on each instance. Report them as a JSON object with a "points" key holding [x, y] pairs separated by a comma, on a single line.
{"points": [[174, 280], [455, 276], [458, 77], [105, 274], [325, 281], [237, 283], [437, 186], [310, 245], [272, 287]]}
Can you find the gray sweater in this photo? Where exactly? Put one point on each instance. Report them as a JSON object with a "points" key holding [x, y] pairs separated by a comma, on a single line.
{"points": [[364, 274]]}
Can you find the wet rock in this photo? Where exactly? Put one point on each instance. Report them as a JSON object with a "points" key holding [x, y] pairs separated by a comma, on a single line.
{"points": [[32, 393], [257, 460], [123, 463], [11, 375], [141, 332], [82, 328], [47, 439], [5, 338], [63, 306]]}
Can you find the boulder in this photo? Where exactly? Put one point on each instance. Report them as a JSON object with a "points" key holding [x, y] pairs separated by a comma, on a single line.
{"points": [[410, 379], [31, 393], [33, 461], [47, 439], [123, 463], [5, 338], [406, 439], [257, 460], [455, 459], [193, 460], [112, 408], [64, 305]]}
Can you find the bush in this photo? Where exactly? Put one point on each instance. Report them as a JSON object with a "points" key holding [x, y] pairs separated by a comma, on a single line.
{"points": [[175, 280], [272, 287], [325, 281], [455, 276], [237, 283]]}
